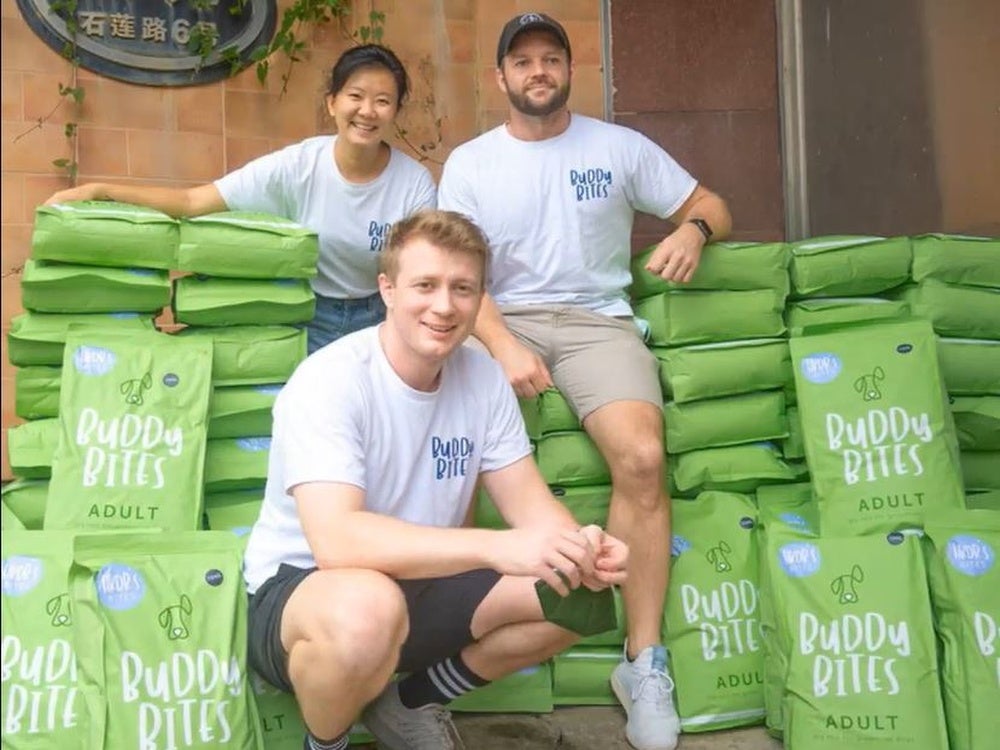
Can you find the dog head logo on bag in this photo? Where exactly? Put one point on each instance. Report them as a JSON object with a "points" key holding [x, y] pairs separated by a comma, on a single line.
{"points": [[845, 587], [133, 389], [58, 608], [176, 619], [867, 385], [717, 556]]}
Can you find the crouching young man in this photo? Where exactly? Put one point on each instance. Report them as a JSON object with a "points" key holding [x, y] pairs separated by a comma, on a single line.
{"points": [[359, 566]]}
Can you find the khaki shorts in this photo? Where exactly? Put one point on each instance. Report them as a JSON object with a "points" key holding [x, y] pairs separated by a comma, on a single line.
{"points": [[594, 359]]}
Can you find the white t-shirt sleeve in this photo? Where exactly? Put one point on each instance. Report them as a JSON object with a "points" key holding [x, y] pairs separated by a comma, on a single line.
{"points": [[456, 193], [319, 429], [426, 192], [658, 184], [258, 185], [506, 436]]}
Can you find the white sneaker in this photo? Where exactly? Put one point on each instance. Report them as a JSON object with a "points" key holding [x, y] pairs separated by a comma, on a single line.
{"points": [[397, 727], [646, 691]]}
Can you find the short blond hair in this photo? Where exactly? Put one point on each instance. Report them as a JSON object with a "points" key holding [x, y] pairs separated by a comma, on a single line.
{"points": [[448, 230]]}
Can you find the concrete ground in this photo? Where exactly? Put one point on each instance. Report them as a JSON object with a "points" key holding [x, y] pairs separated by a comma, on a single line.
{"points": [[585, 728]]}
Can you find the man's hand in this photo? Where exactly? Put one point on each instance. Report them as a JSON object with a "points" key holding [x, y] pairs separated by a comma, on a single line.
{"points": [[677, 256], [610, 561], [560, 557], [92, 191], [525, 370]]}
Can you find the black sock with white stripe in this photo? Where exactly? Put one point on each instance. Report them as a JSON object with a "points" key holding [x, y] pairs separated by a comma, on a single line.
{"points": [[439, 684]]}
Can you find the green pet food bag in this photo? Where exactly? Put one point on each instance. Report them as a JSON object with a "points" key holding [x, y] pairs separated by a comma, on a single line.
{"points": [[793, 447], [281, 724], [981, 470], [809, 313], [105, 233], [39, 338], [957, 259], [9, 521], [555, 413], [729, 420], [36, 392], [72, 288], [735, 468], [581, 611], [571, 459], [42, 705], [31, 448], [236, 463], [862, 662], [528, 690], [161, 636], [733, 266], [983, 500], [252, 355], [588, 504], [964, 574], [879, 437], [850, 266], [247, 245], [581, 676], [26, 499], [970, 367], [958, 311], [977, 422], [711, 622], [241, 411], [790, 509], [680, 317], [727, 368], [235, 511], [133, 420], [214, 301]]}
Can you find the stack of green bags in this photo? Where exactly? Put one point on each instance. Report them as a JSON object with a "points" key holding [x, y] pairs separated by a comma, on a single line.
{"points": [[247, 290]]}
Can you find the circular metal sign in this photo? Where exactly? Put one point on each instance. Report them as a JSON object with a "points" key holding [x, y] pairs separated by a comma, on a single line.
{"points": [[149, 41]]}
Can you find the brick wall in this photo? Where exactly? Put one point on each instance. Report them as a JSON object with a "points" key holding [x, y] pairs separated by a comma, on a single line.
{"points": [[189, 136]]}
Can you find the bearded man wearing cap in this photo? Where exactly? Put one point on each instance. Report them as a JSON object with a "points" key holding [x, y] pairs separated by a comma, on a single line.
{"points": [[556, 192]]}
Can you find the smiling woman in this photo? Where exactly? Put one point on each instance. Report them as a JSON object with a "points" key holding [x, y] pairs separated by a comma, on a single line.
{"points": [[349, 188]]}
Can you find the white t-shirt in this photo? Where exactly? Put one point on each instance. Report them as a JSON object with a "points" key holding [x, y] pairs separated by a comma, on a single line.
{"points": [[346, 416], [301, 182], [558, 212]]}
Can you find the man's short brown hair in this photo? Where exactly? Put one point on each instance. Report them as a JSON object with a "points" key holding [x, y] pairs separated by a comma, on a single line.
{"points": [[448, 230]]}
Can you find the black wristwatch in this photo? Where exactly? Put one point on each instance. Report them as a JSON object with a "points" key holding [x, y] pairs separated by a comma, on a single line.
{"points": [[703, 227]]}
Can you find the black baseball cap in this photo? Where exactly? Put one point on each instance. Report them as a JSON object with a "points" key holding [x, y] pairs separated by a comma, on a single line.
{"points": [[527, 21]]}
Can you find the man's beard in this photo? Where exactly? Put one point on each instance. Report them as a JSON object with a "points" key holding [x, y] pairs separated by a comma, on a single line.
{"points": [[525, 106]]}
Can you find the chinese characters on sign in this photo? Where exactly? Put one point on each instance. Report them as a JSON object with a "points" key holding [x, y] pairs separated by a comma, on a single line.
{"points": [[152, 41]]}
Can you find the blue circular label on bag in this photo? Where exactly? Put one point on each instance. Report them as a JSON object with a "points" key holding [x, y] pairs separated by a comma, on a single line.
{"points": [[904, 348], [746, 522], [970, 555], [679, 545], [799, 559], [171, 379], [21, 574], [241, 530], [124, 315], [795, 521], [821, 368], [268, 390], [120, 586], [254, 444], [141, 271], [93, 360]]}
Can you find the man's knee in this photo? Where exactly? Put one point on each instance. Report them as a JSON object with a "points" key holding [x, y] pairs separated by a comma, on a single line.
{"points": [[638, 457], [354, 618]]}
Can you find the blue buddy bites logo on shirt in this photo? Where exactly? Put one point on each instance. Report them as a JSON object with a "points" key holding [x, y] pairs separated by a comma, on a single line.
{"points": [[590, 183], [377, 233], [451, 456]]}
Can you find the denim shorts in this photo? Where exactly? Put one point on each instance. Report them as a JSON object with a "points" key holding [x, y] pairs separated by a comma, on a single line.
{"points": [[338, 317]]}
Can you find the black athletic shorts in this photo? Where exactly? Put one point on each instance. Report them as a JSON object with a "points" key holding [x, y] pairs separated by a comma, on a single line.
{"points": [[440, 611]]}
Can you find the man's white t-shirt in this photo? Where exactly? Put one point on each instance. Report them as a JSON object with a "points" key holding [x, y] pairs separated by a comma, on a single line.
{"points": [[346, 416], [301, 182], [558, 212]]}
